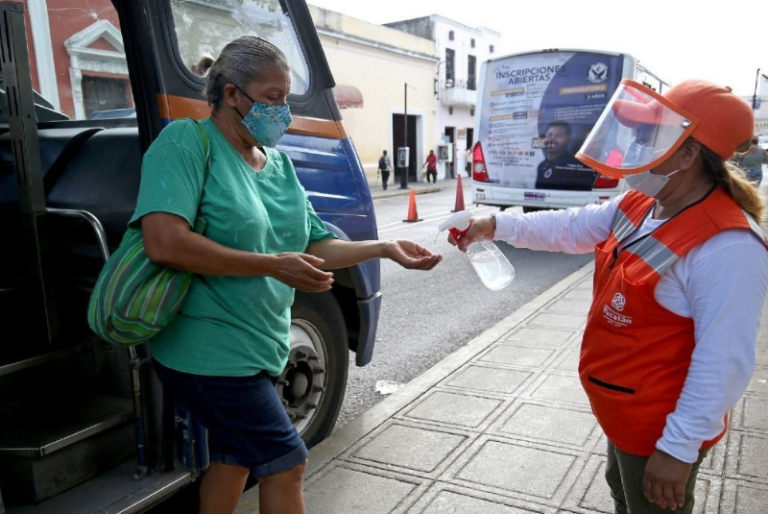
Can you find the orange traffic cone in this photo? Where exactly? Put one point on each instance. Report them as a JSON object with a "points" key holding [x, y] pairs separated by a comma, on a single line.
{"points": [[459, 196], [413, 215]]}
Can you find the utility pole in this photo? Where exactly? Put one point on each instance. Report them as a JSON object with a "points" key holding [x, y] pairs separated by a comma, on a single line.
{"points": [[404, 172], [406, 151]]}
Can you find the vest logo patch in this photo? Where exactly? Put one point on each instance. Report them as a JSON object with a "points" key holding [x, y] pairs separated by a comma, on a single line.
{"points": [[619, 302], [614, 315]]}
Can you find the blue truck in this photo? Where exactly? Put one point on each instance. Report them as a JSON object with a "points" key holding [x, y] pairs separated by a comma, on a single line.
{"points": [[85, 427]]}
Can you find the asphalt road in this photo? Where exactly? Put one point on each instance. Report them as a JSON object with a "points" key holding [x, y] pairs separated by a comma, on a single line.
{"points": [[426, 316]]}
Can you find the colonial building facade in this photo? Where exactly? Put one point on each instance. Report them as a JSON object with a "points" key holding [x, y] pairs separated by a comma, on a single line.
{"points": [[461, 50], [76, 56], [385, 78]]}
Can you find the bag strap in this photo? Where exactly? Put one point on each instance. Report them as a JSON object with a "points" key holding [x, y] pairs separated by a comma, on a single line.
{"points": [[207, 152]]}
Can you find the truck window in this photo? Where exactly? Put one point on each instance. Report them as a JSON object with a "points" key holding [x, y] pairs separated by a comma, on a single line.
{"points": [[204, 27], [78, 62]]}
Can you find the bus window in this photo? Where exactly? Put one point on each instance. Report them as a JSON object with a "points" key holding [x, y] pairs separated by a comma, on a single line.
{"points": [[204, 27]]}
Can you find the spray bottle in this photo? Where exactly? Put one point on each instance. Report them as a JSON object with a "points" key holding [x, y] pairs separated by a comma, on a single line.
{"points": [[490, 264]]}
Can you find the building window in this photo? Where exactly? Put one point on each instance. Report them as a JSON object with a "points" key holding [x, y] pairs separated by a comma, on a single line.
{"points": [[100, 94], [472, 112], [472, 43], [450, 35], [450, 67], [450, 111], [491, 49], [471, 72]]}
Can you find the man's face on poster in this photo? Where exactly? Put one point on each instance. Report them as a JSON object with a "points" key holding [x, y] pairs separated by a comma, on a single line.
{"points": [[556, 142]]}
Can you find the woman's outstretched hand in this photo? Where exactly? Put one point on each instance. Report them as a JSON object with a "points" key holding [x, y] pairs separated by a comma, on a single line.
{"points": [[411, 255], [480, 227]]}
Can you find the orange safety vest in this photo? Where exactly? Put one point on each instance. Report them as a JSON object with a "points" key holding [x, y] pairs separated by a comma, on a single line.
{"points": [[635, 353]]}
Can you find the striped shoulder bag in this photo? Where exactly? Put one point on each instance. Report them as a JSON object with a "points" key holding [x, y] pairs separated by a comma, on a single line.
{"points": [[135, 298]]}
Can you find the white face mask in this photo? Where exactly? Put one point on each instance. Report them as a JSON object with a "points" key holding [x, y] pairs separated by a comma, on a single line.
{"points": [[648, 183]]}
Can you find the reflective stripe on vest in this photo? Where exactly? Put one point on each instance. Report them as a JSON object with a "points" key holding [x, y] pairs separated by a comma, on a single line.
{"points": [[622, 226], [654, 253]]}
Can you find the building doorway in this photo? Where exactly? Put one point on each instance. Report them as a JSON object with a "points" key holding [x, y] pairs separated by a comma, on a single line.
{"points": [[398, 134], [468, 151], [450, 137]]}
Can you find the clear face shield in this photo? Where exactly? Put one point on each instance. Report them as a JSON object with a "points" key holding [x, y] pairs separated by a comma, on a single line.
{"points": [[638, 130]]}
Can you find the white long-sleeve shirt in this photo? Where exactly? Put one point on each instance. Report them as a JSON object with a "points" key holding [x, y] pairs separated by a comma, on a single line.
{"points": [[721, 284]]}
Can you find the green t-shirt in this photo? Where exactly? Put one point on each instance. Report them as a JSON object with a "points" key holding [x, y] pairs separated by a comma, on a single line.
{"points": [[228, 326]]}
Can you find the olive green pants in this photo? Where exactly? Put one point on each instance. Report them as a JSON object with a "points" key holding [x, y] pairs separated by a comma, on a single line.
{"points": [[625, 473]]}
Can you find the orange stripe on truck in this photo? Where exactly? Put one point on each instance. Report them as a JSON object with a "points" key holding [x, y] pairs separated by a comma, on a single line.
{"points": [[174, 107]]}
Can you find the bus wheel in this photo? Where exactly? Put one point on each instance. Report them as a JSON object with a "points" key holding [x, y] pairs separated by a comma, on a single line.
{"points": [[313, 383], [532, 209]]}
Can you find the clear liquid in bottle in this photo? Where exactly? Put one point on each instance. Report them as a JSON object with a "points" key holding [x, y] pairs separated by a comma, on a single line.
{"points": [[490, 264]]}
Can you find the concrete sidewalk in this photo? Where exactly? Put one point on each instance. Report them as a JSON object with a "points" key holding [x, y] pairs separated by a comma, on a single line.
{"points": [[502, 426]]}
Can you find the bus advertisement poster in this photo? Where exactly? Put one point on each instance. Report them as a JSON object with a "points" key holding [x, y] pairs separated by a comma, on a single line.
{"points": [[538, 109]]}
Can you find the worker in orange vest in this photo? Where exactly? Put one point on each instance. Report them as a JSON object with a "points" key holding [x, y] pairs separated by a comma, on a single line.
{"points": [[681, 274]]}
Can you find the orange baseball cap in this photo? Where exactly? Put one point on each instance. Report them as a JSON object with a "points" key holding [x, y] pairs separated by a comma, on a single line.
{"points": [[723, 121]]}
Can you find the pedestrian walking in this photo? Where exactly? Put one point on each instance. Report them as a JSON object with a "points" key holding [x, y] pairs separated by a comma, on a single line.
{"points": [[385, 167], [431, 164], [752, 161], [681, 273]]}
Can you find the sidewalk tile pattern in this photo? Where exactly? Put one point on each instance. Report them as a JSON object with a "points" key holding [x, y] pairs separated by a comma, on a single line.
{"points": [[511, 432]]}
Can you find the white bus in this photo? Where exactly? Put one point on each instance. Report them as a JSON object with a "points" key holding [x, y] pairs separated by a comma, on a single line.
{"points": [[534, 111]]}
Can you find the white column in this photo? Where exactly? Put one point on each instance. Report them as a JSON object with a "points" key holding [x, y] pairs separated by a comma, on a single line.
{"points": [[76, 77], [41, 37]]}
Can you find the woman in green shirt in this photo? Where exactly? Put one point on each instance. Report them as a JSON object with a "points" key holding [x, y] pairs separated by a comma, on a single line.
{"points": [[221, 355]]}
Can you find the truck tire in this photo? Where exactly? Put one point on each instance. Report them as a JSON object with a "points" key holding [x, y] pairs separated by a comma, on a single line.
{"points": [[313, 383]]}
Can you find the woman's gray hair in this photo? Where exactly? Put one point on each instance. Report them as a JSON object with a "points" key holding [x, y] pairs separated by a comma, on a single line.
{"points": [[241, 62]]}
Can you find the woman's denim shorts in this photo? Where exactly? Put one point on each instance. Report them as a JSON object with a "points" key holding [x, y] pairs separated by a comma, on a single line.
{"points": [[246, 422]]}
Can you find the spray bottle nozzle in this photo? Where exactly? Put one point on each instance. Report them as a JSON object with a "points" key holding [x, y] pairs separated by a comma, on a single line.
{"points": [[457, 225], [458, 234]]}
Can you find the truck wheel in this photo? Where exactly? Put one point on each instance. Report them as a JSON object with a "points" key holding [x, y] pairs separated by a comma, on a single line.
{"points": [[313, 383]]}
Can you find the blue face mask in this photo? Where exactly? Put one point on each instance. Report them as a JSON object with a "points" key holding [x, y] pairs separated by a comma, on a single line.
{"points": [[266, 123]]}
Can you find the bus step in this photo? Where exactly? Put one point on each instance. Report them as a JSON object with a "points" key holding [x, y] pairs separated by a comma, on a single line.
{"points": [[113, 492], [40, 459]]}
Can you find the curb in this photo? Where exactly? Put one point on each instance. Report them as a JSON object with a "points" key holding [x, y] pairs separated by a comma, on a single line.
{"points": [[404, 192]]}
